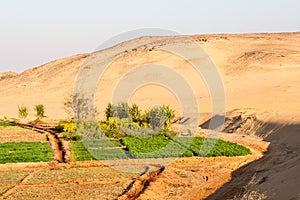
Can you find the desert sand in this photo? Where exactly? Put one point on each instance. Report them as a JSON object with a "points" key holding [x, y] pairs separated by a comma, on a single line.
{"points": [[260, 74]]}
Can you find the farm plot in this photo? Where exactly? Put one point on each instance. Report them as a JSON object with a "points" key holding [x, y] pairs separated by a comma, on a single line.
{"points": [[22, 145], [17, 134], [25, 152], [155, 147], [72, 183], [97, 150]]}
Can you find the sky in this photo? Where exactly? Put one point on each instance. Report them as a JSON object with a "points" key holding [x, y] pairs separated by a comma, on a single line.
{"points": [[34, 32]]}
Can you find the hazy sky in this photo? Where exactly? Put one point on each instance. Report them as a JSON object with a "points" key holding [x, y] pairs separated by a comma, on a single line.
{"points": [[34, 32]]}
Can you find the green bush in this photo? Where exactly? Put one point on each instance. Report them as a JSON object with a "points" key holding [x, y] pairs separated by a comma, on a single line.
{"points": [[111, 128], [90, 129], [161, 117], [135, 113], [109, 111], [66, 126], [40, 111], [23, 112], [170, 114], [121, 110], [69, 129]]}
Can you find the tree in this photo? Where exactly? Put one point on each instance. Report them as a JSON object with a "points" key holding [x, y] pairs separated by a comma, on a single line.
{"points": [[135, 113], [161, 117], [109, 111], [170, 114], [121, 110]]}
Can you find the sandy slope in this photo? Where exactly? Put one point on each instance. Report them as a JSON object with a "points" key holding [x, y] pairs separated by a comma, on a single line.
{"points": [[260, 72]]}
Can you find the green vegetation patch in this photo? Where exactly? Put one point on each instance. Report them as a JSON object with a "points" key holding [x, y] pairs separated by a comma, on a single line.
{"points": [[97, 150], [25, 152], [6, 124], [161, 147], [212, 147], [155, 147]]}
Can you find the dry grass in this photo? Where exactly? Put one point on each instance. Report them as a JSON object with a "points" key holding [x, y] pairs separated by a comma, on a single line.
{"points": [[62, 182], [17, 134], [252, 195]]}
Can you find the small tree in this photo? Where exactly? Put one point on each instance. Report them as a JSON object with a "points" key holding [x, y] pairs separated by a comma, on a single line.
{"points": [[158, 118], [40, 111], [135, 113], [161, 117], [23, 112], [109, 111], [170, 114], [121, 110]]}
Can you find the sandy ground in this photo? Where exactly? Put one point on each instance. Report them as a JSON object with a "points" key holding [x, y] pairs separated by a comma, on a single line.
{"points": [[259, 71]]}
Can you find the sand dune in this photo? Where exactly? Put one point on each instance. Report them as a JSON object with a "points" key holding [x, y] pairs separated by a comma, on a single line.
{"points": [[260, 73]]}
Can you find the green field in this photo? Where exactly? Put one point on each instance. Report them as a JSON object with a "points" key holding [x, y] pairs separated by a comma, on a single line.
{"points": [[25, 152], [98, 150], [155, 147]]}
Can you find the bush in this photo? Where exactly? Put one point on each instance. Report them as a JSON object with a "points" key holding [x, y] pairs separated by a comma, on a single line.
{"points": [[40, 111], [161, 117], [170, 114], [23, 112], [69, 129], [121, 110], [66, 126], [123, 120], [71, 136], [111, 128], [135, 113], [157, 118], [108, 111], [90, 129]]}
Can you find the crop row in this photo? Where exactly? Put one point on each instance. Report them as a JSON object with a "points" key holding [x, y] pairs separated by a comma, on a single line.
{"points": [[25, 152], [155, 147]]}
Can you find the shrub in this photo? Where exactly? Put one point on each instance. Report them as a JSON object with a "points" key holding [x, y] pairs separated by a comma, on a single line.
{"points": [[71, 136], [145, 118], [108, 111], [121, 110], [90, 129], [170, 114], [66, 126], [69, 129], [111, 128], [135, 113], [40, 111], [23, 112], [161, 117], [157, 118]]}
